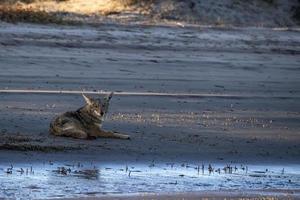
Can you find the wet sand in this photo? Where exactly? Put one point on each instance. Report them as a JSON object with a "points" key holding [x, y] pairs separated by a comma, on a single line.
{"points": [[247, 110]]}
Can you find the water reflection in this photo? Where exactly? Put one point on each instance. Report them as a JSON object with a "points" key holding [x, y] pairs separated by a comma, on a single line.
{"points": [[51, 180]]}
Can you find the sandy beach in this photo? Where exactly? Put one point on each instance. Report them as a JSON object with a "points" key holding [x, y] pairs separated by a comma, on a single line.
{"points": [[188, 97]]}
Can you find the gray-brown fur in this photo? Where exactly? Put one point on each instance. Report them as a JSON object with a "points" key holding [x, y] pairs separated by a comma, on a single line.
{"points": [[85, 122]]}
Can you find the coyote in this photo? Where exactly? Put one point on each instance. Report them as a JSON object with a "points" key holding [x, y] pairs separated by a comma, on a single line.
{"points": [[85, 123]]}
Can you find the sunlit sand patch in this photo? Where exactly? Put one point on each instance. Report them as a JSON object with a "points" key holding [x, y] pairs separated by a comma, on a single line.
{"points": [[79, 6]]}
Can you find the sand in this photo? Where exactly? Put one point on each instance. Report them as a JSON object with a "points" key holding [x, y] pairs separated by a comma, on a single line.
{"points": [[243, 109]]}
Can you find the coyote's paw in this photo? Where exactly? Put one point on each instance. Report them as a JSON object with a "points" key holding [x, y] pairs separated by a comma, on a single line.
{"points": [[122, 136], [126, 137]]}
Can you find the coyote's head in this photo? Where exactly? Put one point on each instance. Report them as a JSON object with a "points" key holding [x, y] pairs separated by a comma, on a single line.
{"points": [[97, 108]]}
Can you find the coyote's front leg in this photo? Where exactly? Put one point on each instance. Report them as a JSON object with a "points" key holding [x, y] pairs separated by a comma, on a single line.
{"points": [[108, 134]]}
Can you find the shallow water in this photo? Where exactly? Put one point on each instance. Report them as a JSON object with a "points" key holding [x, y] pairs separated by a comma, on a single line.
{"points": [[52, 180]]}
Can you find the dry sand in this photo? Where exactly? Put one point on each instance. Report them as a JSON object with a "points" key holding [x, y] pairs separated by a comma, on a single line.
{"points": [[256, 13], [247, 111]]}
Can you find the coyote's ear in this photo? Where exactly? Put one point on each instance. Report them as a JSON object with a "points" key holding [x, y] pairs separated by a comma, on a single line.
{"points": [[87, 99], [105, 104]]}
